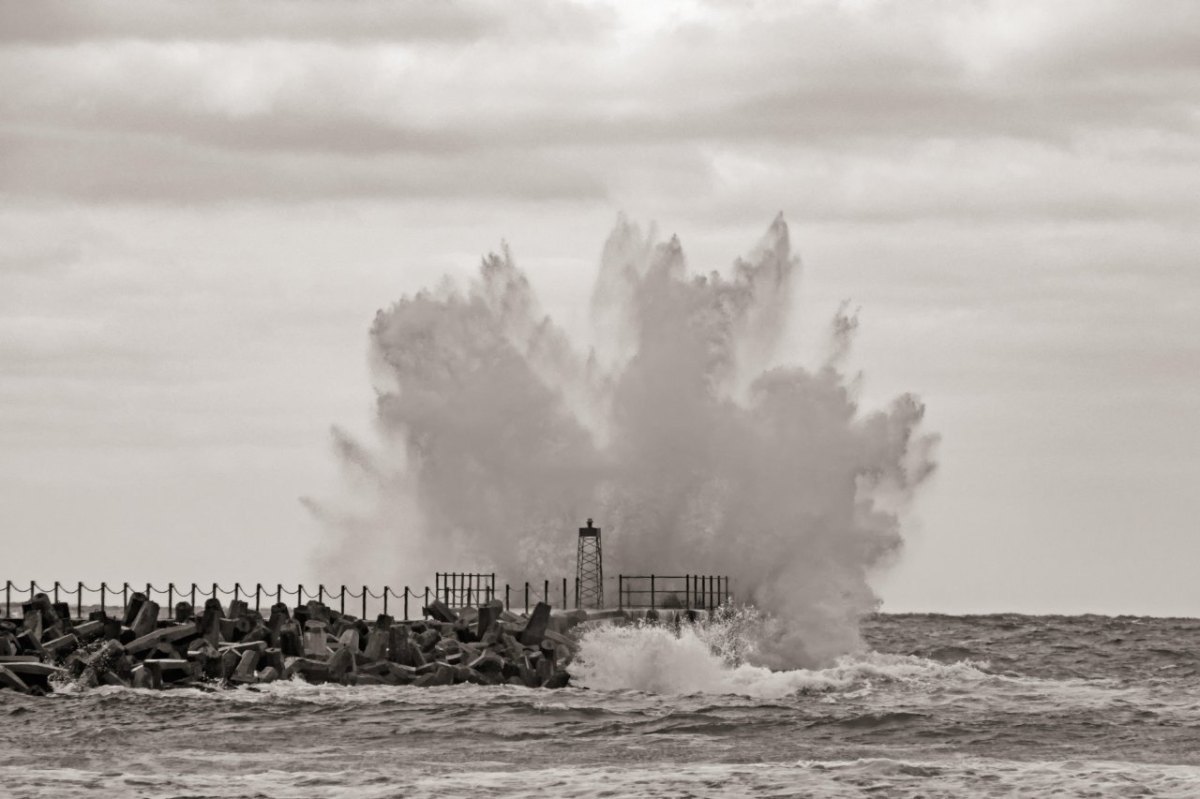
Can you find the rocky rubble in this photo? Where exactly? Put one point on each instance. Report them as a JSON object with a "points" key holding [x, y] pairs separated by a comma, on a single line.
{"points": [[488, 645]]}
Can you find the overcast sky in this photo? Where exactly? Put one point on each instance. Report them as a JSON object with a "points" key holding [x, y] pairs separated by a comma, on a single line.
{"points": [[202, 205]]}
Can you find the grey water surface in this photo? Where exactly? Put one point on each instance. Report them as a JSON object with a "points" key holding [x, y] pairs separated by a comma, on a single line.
{"points": [[941, 706]]}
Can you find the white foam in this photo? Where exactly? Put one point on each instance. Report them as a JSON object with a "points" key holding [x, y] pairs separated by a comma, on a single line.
{"points": [[661, 660]]}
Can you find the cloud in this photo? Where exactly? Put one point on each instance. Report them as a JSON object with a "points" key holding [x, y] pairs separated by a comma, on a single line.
{"points": [[101, 102], [65, 21]]}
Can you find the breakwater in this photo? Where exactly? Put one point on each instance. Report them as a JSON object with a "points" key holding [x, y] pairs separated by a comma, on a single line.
{"points": [[47, 650]]}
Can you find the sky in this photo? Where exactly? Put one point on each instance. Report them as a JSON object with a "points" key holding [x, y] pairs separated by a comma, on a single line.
{"points": [[202, 207]]}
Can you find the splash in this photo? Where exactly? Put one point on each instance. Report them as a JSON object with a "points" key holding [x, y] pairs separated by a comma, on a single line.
{"points": [[679, 428], [702, 659]]}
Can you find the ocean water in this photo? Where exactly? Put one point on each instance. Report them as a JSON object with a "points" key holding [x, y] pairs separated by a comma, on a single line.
{"points": [[939, 706]]}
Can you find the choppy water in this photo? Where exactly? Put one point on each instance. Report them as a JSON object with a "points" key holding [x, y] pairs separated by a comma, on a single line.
{"points": [[942, 707]]}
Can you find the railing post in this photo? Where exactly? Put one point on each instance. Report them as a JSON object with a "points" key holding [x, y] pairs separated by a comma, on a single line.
{"points": [[342, 602], [148, 596], [446, 592], [299, 595], [364, 613], [193, 596], [546, 591], [687, 591], [8, 599], [620, 592], [56, 591], [526, 597], [214, 596], [278, 593], [565, 605], [424, 614], [124, 597], [492, 588], [32, 586], [506, 597], [237, 587], [321, 593], [385, 593], [257, 597], [652, 592], [171, 598], [79, 602], [103, 587]]}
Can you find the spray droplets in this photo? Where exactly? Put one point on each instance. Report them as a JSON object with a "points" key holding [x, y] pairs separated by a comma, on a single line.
{"points": [[679, 428]]}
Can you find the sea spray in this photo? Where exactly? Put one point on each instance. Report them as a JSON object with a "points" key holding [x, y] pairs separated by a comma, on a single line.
{"points": [[679, 427]]}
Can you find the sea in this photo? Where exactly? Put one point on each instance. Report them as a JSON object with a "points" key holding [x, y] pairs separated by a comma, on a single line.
{"points": [[933, 706]]}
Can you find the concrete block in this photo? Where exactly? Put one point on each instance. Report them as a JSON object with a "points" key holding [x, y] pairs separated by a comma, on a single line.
{"points": [[535, 628], [148, 641], [146, 619], [245, 671], [439, 611]]}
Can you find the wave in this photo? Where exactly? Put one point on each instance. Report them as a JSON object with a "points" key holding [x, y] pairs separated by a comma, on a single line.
{"points": [[662, 660]]}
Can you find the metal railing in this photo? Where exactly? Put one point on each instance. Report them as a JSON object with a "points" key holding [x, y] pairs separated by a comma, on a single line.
{"points": [[403, 602], [687, 591], [652, 591], [460, 589], [257, 597]]}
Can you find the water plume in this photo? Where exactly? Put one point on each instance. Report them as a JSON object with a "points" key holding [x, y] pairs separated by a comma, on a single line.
{"points": [[679, 428]]}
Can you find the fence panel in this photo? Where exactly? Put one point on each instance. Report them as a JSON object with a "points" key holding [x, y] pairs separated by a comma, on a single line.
{"points": [[686, 591]]}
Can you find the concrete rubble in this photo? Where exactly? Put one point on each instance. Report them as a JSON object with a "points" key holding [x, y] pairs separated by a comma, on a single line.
{"points": [[215, 646]]}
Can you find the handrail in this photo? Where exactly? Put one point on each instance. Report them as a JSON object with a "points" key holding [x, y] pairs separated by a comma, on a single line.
{"points": [[458, 589]]}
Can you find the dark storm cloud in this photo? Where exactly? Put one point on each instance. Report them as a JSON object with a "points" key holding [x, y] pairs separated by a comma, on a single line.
{"points": [[59, 21], [150, 169], [308, 100]]}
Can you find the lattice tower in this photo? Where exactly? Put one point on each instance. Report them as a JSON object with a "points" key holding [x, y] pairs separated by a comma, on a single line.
{"points": [[589, 572]]}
